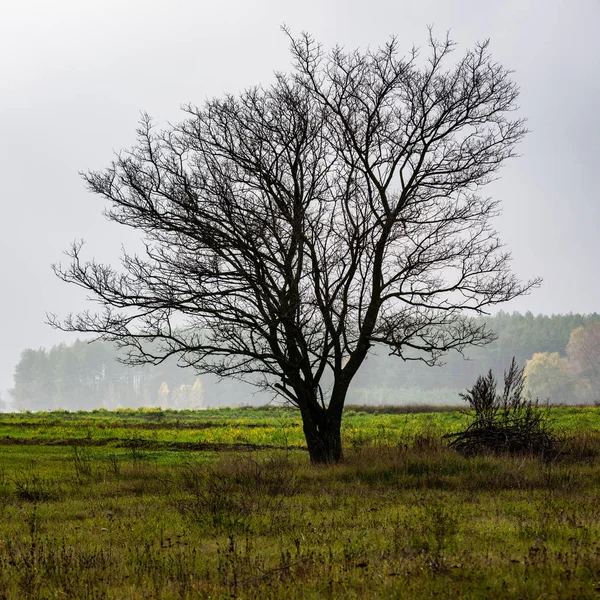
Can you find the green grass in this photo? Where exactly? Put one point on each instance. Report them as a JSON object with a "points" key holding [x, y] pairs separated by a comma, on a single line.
{"points": [[130, 514], [258, 427]]}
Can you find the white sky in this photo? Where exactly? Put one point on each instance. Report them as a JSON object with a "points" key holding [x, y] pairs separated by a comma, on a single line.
{"points": [[74, 76]]}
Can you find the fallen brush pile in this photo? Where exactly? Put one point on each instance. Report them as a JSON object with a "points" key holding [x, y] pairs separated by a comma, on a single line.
{"points": [[500, 437], [506, 422]]}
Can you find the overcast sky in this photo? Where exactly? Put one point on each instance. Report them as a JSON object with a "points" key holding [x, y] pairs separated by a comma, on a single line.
{"points": [[75, 75]]}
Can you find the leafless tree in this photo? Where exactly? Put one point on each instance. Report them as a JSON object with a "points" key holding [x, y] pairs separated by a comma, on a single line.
{"points": [[290, 229]]}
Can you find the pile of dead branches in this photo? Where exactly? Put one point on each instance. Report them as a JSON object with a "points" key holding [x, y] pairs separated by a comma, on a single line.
{"points": [[504, 422]]}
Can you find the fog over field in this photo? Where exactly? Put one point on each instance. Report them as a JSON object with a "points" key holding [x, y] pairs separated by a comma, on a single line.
{"points": [[75, 76]]}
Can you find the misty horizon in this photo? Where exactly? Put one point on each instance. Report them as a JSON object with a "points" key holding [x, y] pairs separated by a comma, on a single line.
{"points": [[78, 80]]}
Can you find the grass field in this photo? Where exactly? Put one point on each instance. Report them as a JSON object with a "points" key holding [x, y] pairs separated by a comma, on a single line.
{"points": [[224, 504]]}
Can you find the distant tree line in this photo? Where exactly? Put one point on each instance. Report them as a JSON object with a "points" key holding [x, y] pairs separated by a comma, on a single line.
{"points": [[87, 375], [527, 337], [561, 354]]}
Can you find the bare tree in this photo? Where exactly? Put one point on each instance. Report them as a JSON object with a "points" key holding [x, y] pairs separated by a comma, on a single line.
{"points": [[290, 229]]}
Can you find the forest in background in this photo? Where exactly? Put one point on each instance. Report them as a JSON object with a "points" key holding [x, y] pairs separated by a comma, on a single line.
{"points": [[561, 355]]}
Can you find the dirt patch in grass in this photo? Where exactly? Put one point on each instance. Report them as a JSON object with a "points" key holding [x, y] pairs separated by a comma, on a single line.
{"points": [[142, 444]]}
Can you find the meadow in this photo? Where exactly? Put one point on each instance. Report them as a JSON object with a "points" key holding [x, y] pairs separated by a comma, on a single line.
{"points": [[225, 504]]}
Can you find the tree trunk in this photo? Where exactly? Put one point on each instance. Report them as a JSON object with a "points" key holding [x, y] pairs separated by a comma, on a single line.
{"points": [[323, 436]]}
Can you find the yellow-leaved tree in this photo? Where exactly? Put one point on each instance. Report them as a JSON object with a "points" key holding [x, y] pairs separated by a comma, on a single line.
{"points": [[583, 351], [549, 377]]}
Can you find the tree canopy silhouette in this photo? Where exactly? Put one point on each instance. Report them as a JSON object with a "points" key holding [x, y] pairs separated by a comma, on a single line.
{"points": [[290, 228]]}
